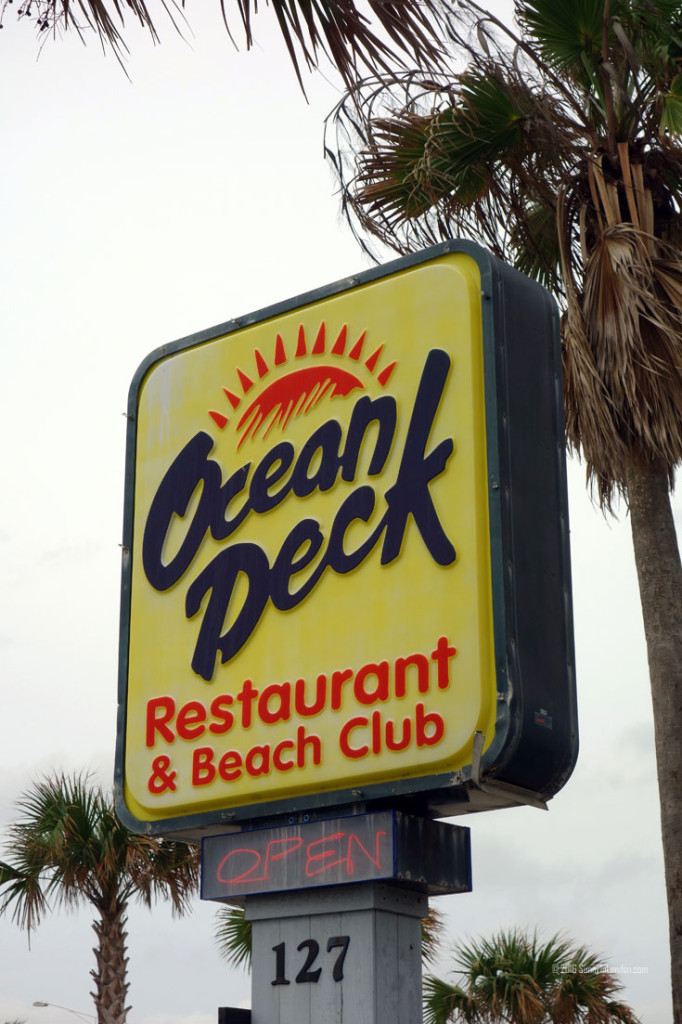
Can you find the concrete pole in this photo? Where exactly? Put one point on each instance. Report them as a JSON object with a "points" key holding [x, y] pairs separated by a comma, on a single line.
{"points": [[338, 955]]}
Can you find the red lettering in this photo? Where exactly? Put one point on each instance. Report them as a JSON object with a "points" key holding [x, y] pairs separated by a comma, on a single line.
{"points": [[225, 718], [257, 761], [338, 679], [281, 692], [160, 710], [300, 706], [352, 838], [320, 856], [302, 742], [421, 663], [323, 856], [246, 697], [423, 721], [281, 765], [230, 766], [294, 843], [354, 752], [376, 732], [441, 656], [291, 843], [380, 691], [246, 875], [391, 742], [191, 717], [203, 769]]}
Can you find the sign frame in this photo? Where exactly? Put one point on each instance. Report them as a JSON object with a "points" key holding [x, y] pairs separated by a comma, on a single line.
{"points": [[536, 739]]}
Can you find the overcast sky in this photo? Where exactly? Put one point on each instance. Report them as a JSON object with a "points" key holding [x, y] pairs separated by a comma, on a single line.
{"points": [[134, 213]]}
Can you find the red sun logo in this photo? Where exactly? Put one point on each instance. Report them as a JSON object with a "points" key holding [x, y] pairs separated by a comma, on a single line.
{"points": [[295, 393]]}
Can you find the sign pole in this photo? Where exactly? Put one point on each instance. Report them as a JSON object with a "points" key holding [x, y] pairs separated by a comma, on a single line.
{"points": [[337, 955]]}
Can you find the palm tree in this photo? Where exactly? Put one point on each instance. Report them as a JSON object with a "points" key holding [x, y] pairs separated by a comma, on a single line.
{"points": [[334, 29], [68, 848], [516, 979], [558, 145]]}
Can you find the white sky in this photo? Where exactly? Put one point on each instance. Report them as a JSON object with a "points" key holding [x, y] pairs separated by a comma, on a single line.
{"points": [[134, 213]]}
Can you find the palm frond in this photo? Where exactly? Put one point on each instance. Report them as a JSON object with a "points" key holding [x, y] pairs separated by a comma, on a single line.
{"points": [[396, 32], [566, 33], [454, 158], [233, 935], [22, 891], [444, 1002], [433, 927], [671, 112], [534, 244], [175, 870]]}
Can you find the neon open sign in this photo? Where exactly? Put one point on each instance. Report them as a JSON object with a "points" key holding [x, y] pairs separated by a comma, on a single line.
{"points": [[337, 851]]}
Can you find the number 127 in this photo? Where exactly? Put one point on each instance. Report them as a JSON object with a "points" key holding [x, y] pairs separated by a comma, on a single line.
{"points": [[306, 973]]}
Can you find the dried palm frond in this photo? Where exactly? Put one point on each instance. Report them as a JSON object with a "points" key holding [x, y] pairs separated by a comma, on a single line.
{"points": [[622, 343], [433, 928], [590, 424]]}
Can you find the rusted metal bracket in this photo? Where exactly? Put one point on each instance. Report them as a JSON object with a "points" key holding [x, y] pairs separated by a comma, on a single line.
{"points": [[513, 794]]}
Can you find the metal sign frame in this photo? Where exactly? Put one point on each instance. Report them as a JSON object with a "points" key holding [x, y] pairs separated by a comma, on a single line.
{"points": [[535, 744]]}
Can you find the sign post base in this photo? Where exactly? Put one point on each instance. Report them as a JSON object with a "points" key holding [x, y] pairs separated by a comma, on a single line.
{"points": [[347, 951], [338, 955]]}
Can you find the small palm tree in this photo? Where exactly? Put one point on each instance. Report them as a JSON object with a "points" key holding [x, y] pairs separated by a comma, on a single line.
{"points": [[514, 978], [68, 848]]}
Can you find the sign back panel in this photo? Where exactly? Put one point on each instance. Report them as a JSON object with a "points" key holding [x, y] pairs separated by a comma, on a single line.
{"points": [[325, 512]]}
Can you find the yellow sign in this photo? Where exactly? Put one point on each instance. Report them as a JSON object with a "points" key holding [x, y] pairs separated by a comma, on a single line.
{"points": [[310, 583]]}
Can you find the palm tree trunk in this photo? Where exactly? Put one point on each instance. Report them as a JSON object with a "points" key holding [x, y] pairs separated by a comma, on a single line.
{"points": [[659, 572], [111, 986]]}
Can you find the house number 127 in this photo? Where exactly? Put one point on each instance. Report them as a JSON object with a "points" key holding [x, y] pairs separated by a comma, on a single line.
{"points": [[308, 972]]}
